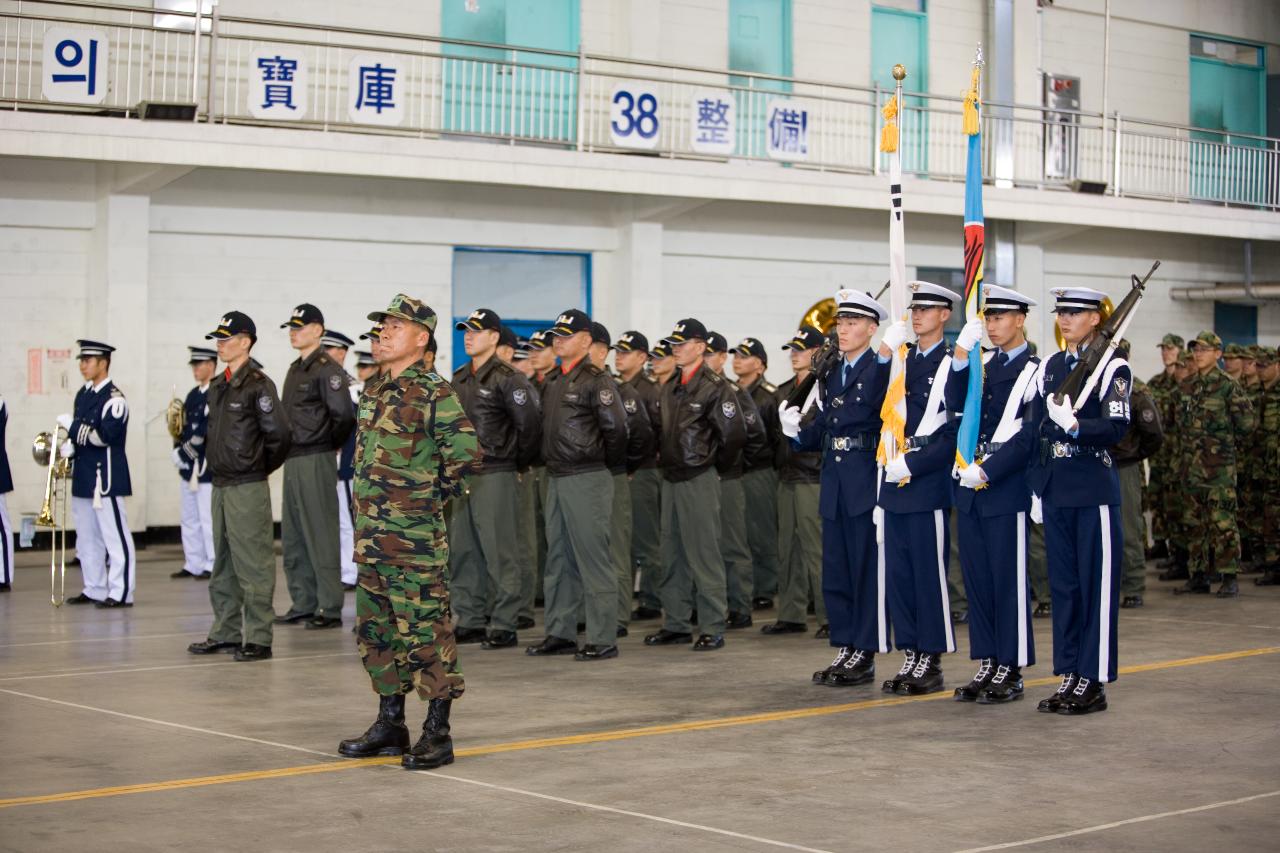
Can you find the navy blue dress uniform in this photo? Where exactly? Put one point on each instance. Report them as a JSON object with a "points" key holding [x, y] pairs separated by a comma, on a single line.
{"points": [[99, 484], [993, 523], [332, 340], [846, 434], [1076, 480], [6, 486], [196, 491], [916, 547]]}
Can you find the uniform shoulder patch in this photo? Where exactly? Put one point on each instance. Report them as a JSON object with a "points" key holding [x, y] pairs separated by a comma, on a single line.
{"points": [[606, 397], [335, 381], [630, 405], [265, 404], [1148, 415], [520, 396], [728, 408]]}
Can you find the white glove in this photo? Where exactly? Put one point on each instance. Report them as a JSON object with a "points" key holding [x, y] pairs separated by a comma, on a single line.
{"points": [[1037, 509], [897, 471], [970, 336], [789, 417], [64, 421], [1061, 414], [179, 461], [972, 477], [67, 450], [896, 335]]}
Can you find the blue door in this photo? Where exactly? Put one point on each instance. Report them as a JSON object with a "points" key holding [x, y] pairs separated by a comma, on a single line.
{"points": [[901, 37], [1228, 96], [1235, 324], [760, 42]]}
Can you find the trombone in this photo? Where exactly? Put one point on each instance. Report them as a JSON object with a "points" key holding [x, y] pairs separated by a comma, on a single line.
{"points": [[53, 510]]}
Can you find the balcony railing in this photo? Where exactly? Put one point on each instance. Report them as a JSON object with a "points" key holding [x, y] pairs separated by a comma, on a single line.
{"points": [[247, 71]]}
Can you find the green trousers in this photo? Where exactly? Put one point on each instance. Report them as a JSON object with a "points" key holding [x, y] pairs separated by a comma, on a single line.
{"points": [[620, 546], [646, 533], [691, 555], [734, 548], [799, 553], [761, 488], [244, 564], [484, 548], [527, 509], [1133, 580], [580, 576], [541, 480], [309, 534], [404, 633]]}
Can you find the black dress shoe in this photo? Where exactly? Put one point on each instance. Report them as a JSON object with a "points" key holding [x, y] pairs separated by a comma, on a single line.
{"points": [[319, 623], [81, 599], [209, 647], [761, 602], [1158, 551], [622, 632], [1229, 589], [4, 587], [524, 623], [251, 651], [858, 668], [971, 691], [1051, 704], [499, 640], [784, 628], [387, 735], [925, 678], [594, 652], [842, 655], [552, 646], [203, 577], [467, 636], [709, 642], [667, 638], [908, 665], [823, 632], [960, 617], [1270, 577], [182, 573], [111, 602], [1131, 601], [1197, 584], [1043, 610], [643, 612], [738, 620], [1087, 697], [435, 747], [292, 617], [1175, 573], [1005, 686]]}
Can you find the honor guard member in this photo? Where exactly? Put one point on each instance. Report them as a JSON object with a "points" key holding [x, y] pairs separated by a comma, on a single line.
{"points": [[631, 354], [734, 546], [1141, 440], [484, 568], [415, 448], [318, 407], [247, 439], [760, 478], [100, 482], [799, 523], [641, 448], [196, 493], [1074, 477], [584, 437], [915, 495], [6, 486], [702, 434], [366, 369], [993, 500], [336, 346], [846, 433]]}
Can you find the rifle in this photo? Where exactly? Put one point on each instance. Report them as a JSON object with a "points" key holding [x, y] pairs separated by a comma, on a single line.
{"points": [[824, 361], [1084, 376]]}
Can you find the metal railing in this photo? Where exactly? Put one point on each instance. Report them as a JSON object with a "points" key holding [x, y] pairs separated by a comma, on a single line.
{"points": [[524, 95]]}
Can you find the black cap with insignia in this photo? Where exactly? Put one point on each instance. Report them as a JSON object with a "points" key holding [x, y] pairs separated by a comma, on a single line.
{"points": [[717, 342], [303, 315], [632, 342], [94, 349], [752, 347], [479, 320], [234, 323], [570, 322]]}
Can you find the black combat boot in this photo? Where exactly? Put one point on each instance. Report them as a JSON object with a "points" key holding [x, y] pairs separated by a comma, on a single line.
{"points": [[1270, 576], [1196, 584], [842, 654], [908, 664], [435, 747], [1054, 702], [387, 735], [858, 668], [1178, 569], [1005, 686], [1087, 697], [925, 678], [971, 691], [1158, 551], [1230, 587]]}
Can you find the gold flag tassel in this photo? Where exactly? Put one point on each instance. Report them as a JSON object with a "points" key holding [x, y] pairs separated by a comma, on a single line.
{"points": [[889, 133], [971, 101]]}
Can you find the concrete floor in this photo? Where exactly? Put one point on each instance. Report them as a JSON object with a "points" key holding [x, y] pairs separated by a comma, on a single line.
{"points": [[113, 738]]}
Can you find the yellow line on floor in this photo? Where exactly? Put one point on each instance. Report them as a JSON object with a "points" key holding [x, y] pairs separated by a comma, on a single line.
{"points": [[590, 737]]}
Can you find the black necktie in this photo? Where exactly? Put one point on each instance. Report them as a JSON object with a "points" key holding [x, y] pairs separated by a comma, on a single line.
{"points": [[1071, 362], [844, 375], [1000, 359]]}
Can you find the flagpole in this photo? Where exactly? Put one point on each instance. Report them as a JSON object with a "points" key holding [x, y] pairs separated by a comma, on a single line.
{"points": [[974, 251]]}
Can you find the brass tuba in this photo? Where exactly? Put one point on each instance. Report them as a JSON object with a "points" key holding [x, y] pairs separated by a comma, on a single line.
{"points": [[821, 315], [53, 509], [175, 417], [1107, 307]]}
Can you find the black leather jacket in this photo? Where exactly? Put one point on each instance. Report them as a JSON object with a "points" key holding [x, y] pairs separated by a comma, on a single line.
{"points": [[505, 410], [650, 393], [764, 395], [584, 427], [318, 403], [248, 435], [757, 440], [702, 425], [642, 442], [795, 466]]}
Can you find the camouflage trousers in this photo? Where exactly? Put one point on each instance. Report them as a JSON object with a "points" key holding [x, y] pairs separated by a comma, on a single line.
{"points": [[1252, 500], [1209, 522], [1155, 498], [405, 633]]}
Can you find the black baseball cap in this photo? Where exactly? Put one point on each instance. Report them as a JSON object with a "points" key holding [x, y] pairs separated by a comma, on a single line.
{"points": [[600, 335], [479, 320], [687, 329], [570, 323], [302, 315], [661, 349], [632, 342], [717, 342], [806, 337], [507, 338], [752, 347], [234, 323], [538, 340]]}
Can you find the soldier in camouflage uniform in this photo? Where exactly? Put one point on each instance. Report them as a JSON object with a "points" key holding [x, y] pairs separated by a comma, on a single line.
{"points": [[1213, 416], [1156, 497], [1269, 477], [1174, 448], [1249, 451], [414, 449]]}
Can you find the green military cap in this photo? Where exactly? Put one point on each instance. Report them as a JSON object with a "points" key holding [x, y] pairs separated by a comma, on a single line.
{"points": [[1184, 357], [1254, 351], [1264, 355], [1233, 351], [407, 308], [1172, 340], [1208, 339]]}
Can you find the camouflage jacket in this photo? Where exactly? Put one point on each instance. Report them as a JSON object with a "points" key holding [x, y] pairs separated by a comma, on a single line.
{"points": [[1269, 434], [1213, 417], [414, 449]]}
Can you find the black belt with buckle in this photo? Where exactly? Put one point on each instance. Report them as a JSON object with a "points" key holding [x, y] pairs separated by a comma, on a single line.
{"points": [[915, 442], [862, 441], [988, 447], [1065, 450]]}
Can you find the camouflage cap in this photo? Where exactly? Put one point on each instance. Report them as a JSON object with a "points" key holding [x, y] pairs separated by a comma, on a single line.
{"points": [[1172, 340], [1264, 355], [1208, 339], [1184, 357], [1233, 351], [407, 308]]}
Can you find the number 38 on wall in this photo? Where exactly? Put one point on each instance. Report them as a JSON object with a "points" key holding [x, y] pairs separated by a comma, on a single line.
{"points": [[633, 116]]}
